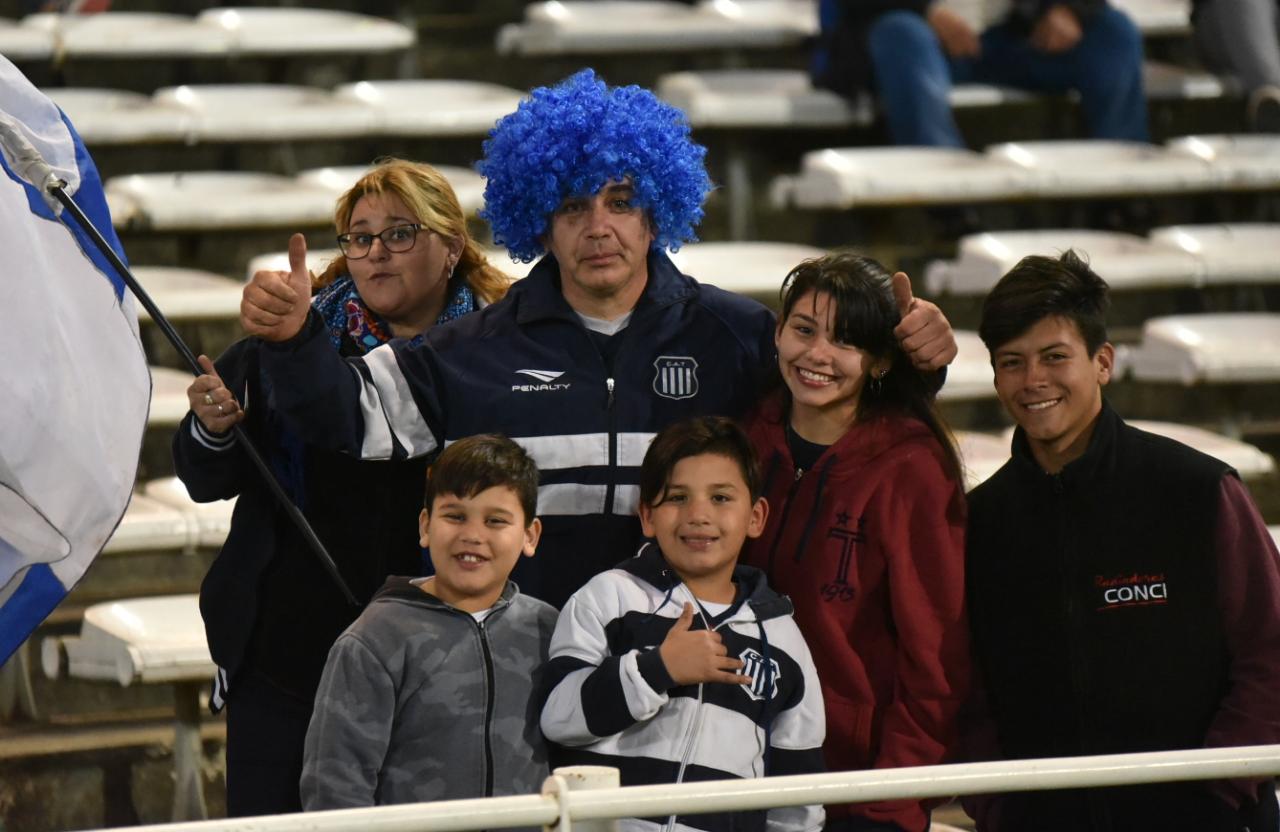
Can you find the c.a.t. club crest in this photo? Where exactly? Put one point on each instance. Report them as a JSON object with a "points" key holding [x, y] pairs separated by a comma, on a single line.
{"points": [[764, 675], [676, 377]]}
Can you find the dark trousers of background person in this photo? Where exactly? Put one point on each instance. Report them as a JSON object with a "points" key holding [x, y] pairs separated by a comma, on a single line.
{"points": [[913, 76], [266, 729]]}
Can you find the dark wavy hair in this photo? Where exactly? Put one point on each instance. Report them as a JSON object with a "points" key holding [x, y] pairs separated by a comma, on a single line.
{"points": [[866, 313], [569, 140], [478, 463], [1040, 287], [693, 437]]}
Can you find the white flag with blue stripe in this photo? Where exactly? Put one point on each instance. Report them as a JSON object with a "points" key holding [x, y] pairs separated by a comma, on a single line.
{"points": [[74, 377]]}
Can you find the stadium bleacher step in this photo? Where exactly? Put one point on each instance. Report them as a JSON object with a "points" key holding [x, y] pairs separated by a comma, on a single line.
{"points": [[90, 773]]}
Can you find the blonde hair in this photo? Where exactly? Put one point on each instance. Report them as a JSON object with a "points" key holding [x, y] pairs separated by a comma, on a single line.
{"points": [[430, 197]]}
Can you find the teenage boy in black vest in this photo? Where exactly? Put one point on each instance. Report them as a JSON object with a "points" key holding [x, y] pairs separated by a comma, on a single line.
{"points": [[1124, 592]]}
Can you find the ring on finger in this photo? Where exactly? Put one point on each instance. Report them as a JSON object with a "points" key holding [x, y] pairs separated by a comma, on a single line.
{"points": [[220, 411], [208, 398]]}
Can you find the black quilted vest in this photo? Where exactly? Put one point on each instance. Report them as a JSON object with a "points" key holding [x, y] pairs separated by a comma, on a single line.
{"points": [[1093, 603]]}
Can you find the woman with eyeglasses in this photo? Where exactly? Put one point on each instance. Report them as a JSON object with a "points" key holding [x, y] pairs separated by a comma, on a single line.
{"points": [[271, 611]]}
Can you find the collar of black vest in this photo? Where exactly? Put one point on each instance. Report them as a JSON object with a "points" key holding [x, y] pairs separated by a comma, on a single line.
{"points": [[1097, 460], [539, 296]]}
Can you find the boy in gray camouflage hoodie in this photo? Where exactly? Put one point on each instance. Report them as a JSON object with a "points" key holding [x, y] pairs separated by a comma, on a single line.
{"points": [[431, 693]]}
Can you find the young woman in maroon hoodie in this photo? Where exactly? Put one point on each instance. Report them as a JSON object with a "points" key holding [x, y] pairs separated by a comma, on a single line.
{"points": [[865, 528]]}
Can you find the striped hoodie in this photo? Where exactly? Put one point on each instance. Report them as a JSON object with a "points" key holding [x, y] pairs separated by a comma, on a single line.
{"points": [[613, 703]]}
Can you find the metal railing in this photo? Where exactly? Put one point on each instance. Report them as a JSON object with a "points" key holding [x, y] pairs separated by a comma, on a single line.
{"points": [[561, 807]]}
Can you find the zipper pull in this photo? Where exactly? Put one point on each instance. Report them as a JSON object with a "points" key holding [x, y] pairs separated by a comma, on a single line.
{"points": [[799, 474], [609, 384]]}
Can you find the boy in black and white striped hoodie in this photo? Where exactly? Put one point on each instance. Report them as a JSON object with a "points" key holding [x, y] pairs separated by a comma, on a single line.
{"points": [[679, 665]]}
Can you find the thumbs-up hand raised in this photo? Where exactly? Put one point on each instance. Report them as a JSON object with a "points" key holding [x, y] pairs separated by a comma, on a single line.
{"points": [[693, 656], [924, 332], [274, 305]]}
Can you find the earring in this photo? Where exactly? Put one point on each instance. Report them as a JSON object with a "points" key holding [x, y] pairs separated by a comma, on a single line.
{"points": [[877, 382]]}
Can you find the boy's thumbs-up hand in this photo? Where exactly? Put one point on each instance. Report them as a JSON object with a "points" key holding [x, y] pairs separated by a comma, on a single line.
{"points": [[924, 332], [275, 303], [693, 656]]}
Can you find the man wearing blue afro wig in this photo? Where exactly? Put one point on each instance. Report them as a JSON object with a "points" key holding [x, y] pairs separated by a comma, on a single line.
{"points": [[572, 139], [601, 346]]}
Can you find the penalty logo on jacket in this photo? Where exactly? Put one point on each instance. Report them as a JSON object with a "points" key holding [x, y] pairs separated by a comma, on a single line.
{"points": [[753, 665], [676, 377]]}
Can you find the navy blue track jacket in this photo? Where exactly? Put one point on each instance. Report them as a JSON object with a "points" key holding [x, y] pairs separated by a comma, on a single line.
{"points": [[528, 368]]}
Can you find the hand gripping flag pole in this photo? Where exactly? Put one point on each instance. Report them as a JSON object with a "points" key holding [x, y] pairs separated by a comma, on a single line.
{"points": [[32, 167]]}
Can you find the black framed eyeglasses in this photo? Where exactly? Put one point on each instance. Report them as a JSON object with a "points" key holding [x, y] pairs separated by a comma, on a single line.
{"points": [[396, 239]]}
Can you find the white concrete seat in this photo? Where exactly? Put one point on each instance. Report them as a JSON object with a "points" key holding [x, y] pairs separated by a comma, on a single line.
{"points": [[561, 27], [123, 209], [750, 268], [189, 294], [24, 43], [758, 98], [786, 98], [168, 397], [1093, 167], [468, 185], [981, 454], [433, 107], [963, 96], [265, 112], [149, 525], [1128, 261], [278, 261], [1248, 459], [970, 376], [1230, 347], [271, 31], [777, 23], [1230, 253], [148, 640], [136, 640], [1170, 82], [207, 200], [211, 520], [500, 259], [843, 178], [121, 34], [1237, 162], [1155, 18], [104, 116]]}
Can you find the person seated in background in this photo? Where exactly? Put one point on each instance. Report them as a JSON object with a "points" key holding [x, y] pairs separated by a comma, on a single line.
{"points": [[271, 611], [679, 664], [432, 693], [910, 52], [1241, 38], [1124, 593]]}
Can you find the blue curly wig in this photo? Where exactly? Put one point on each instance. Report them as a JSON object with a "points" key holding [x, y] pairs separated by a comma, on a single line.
{"points": [[571, 139]]}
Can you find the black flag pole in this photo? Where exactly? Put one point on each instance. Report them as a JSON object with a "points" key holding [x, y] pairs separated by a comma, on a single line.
{"points": [[37, 171]]}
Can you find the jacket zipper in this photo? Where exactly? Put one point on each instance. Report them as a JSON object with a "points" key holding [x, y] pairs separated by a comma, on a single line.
{"points": [[488, 709], [613, 445], [782, 521], [1079, 678]]}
